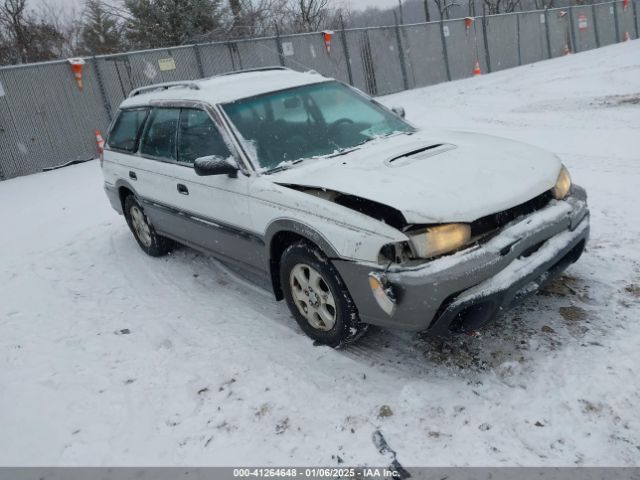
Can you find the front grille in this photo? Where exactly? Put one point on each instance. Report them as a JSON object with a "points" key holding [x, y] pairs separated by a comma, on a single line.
{"points": [[495, 221]]}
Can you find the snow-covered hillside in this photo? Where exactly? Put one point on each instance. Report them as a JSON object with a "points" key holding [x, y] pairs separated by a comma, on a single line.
{"points": [[110, 357]]}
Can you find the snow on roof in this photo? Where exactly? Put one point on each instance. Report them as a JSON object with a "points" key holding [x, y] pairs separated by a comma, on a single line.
{"points": [[228, 88]]}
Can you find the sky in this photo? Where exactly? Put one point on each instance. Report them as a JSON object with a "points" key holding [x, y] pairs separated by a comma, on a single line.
{"points": [[355, 4]]}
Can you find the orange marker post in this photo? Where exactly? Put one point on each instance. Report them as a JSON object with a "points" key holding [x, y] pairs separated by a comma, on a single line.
{"points": [[476, 69], [327, 35], [77, 65]]}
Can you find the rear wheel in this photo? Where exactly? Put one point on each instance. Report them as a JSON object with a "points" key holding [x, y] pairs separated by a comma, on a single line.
{"points": [[317, 296], [153, 244]]}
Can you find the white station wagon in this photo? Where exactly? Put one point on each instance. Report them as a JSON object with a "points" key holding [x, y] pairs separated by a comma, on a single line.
{"points": [[339, 205]]}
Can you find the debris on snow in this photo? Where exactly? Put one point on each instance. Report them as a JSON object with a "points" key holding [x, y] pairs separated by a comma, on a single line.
{"points": [[385, 411], [573, 313]]}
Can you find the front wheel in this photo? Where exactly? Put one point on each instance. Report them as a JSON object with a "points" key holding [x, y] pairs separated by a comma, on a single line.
{"points": [[317, 296]]}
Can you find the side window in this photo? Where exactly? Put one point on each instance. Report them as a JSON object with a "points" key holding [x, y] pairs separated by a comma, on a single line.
{"points": [[199, 137], [124, 135], [159, 139]]}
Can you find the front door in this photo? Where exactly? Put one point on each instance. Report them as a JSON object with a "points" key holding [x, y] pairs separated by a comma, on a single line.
{"points": [[210, 212]]}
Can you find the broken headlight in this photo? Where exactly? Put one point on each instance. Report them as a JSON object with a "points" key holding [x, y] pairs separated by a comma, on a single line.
{"points": [[563, 184], [439, 239]]}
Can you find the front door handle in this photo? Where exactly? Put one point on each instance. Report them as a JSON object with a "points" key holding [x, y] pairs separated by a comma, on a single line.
{"points": [[183, 189], [132, 175]]}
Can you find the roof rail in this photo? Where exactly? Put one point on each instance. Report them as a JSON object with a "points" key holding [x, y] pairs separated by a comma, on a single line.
{"points": [[258, 69], [164, 86]]}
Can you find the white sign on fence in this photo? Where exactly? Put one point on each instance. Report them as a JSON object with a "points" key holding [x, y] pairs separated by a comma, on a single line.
{"points": [[167, 64], [582, 22], [445, 30], [611, 9], [287, 49], [1, 90], [542, 18]]}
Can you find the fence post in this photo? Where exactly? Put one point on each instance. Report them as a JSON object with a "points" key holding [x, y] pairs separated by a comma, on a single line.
{"points": [[103, 92], [403, 65], [345, 47], [635, 18], [594, 14], [546, 29], [487, 55], [196, 49], [368, 65], [615, 18], [279, 46], [518, 38], [574, 44], [444, 49]]}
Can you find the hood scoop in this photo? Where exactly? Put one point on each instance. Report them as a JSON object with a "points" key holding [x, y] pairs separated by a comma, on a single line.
{"points": [[419, 154]]}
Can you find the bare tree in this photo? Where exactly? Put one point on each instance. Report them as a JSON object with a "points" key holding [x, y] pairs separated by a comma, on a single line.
{"points": [[26, 38], [443, 7], [427, 13], [252, 18], [308, 15], [501, 6], [13, 17], [101, 31], [67, 23]]}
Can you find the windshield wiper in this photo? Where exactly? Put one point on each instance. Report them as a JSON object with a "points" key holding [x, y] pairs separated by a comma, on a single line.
{"points": [[346, 150], [280, 168]]}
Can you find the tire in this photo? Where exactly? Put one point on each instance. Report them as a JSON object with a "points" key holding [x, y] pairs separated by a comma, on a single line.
{"points": [[317, 296], [153, 244]]}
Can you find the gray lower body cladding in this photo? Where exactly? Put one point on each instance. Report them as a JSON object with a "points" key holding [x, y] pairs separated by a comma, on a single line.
{"points": [[464, 291], [449, 295]]}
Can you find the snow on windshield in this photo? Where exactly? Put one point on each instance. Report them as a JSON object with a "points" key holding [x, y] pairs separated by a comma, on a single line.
{"points": [[310, 121]]}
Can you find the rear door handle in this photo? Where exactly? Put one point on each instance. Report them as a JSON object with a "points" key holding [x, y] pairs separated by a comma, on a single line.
{"points": [[132, 175], [183, 189]]}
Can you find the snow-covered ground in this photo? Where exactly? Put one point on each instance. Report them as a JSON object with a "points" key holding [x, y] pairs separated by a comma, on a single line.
{"points": [[109, 357]]}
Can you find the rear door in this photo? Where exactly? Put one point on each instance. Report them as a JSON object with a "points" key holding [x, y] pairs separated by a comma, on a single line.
{"points": [[148, 170]]}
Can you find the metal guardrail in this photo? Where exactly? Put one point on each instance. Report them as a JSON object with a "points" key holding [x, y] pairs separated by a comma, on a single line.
{"points": [[46, 120]]}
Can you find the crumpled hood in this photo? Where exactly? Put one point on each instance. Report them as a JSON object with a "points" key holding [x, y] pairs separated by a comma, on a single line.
{"points": [[468, 177]]}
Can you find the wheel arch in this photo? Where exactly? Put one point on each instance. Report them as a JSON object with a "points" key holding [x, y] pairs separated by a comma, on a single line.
{"points": [[124, 189], [284, 232]]}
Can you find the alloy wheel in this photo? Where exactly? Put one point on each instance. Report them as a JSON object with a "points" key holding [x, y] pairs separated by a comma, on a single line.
{"points": [[140, 226], [313, 297]]}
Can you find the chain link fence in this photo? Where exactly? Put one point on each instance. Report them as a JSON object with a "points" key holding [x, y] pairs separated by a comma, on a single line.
{"points": [[46, 120]]}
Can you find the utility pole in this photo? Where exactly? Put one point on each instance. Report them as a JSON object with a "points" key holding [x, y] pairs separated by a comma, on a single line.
{"points": [[427, 15]]}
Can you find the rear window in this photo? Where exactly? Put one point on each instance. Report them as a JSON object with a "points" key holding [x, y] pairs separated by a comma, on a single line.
{"points": [[125, 132]]}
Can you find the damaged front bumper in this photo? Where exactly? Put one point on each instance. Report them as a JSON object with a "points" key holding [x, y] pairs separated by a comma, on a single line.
{"points": [[464, 291]]}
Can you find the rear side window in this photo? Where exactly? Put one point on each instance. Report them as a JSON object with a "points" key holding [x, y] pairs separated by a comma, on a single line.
{"points": [[124, 135], [159, 138], [199, 137]]}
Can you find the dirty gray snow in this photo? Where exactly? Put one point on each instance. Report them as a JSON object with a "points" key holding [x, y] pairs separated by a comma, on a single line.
{"points": [[109, 357]]}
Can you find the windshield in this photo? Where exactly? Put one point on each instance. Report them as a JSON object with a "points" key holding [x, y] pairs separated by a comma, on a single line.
{"points": [[310, 121]]}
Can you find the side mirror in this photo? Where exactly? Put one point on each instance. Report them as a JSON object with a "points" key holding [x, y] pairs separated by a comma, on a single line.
{"points": [[214, 165], [399, 111]]}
